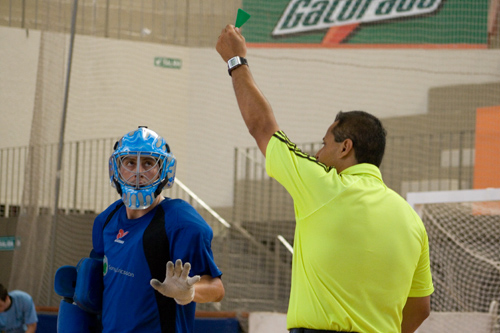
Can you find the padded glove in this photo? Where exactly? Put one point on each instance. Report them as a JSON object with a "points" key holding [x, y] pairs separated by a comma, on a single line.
{"points": [[177, 284]]}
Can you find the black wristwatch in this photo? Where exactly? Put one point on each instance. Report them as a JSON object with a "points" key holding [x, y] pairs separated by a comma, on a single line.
{"points": [[234, 63]]}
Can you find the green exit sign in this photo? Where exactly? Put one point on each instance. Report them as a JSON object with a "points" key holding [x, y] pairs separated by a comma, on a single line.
{"points": [[9, 243], [168, 62]]}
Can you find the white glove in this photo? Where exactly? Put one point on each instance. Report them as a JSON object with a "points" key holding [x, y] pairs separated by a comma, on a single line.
{"points": [[177, 285]]}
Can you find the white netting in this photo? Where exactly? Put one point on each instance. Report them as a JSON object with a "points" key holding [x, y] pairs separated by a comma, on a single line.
{"points": [[465, 256], [465, 259]]}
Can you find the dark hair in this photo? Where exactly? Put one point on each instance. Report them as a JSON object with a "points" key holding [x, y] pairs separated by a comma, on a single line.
{"points": [[365, 131], [3, 293]]}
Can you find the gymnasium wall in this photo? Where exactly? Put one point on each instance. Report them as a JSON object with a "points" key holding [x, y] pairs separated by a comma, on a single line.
{"points": [[116, 85]]}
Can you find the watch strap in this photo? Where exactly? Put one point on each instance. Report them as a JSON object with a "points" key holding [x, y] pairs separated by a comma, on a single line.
{"points": [[234, 63]]}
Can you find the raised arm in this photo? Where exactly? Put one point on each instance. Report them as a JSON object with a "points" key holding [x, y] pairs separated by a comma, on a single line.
{"points": [[254, 107]]}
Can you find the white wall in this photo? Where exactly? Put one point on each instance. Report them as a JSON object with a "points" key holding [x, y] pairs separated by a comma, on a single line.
{"points": [[18, 65], [115, 87]]}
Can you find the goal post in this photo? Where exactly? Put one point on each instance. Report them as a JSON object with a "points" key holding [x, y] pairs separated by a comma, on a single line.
{"points": [[418, 199]]}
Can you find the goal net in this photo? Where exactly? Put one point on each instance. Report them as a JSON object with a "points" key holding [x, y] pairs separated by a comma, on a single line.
{"points": [[464, 233]]}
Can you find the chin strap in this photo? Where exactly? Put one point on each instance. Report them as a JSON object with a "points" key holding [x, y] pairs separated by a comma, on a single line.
{"points": [[160, 187], [117, 186]]}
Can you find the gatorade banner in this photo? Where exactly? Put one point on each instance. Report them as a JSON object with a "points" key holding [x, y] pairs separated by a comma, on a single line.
{"points": [[387, 23]]}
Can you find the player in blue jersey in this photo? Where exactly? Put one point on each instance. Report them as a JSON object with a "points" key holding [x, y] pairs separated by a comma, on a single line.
{"points": [[156, 251], [17, 312]]}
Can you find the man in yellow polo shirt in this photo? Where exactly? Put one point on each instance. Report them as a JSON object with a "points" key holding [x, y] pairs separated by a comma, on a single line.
{"points": [[361, 253]]}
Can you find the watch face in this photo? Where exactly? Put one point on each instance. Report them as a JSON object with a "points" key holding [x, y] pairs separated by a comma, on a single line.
{"points": [[233, 62]]}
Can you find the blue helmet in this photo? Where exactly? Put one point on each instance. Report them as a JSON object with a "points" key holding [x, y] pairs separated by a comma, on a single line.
{"points": [[140, 167]]}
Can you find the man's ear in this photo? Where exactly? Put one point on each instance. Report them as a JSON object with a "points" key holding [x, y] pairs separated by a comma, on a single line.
{"points": [[347, 147]]}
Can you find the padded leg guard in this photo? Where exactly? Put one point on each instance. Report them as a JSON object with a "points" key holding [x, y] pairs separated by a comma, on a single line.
{"points": [[72, 319]]}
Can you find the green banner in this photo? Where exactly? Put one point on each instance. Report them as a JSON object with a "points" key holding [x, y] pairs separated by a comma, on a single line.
{"points": [[367, 21]]}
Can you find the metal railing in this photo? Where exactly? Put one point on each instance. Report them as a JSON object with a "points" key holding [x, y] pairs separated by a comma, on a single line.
{"points": [[85, 186]]}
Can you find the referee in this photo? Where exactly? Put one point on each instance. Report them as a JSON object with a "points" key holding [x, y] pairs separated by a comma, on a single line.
{"points": [[361, 253]]}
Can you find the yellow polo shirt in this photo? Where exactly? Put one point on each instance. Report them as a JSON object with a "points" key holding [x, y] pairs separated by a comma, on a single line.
{"points": [[360, 250]]}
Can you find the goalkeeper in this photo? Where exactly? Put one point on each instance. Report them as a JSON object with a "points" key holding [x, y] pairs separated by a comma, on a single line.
{"points": [[361, 255], [141, 236]]}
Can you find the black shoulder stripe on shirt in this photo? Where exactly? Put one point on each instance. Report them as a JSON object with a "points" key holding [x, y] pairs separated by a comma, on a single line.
{"points": [[157, 251], [280, 135], [111, 214]]}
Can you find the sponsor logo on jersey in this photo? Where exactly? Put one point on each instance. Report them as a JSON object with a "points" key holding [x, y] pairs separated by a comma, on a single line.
{"points": [[308, 15], [106, 267], [120, 235]]}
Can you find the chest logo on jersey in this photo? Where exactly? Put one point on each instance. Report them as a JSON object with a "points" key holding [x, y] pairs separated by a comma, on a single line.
{"points": [[120, 235]]}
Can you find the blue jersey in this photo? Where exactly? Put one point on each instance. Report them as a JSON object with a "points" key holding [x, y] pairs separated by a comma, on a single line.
{"points": [[19, 314], [137, 250]]}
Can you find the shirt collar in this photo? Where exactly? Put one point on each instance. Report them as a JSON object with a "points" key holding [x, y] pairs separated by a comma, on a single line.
{"points": [[363, 168]]}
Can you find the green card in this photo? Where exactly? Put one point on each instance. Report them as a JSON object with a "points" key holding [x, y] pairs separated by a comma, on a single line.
{"points": [[241, 18]]}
